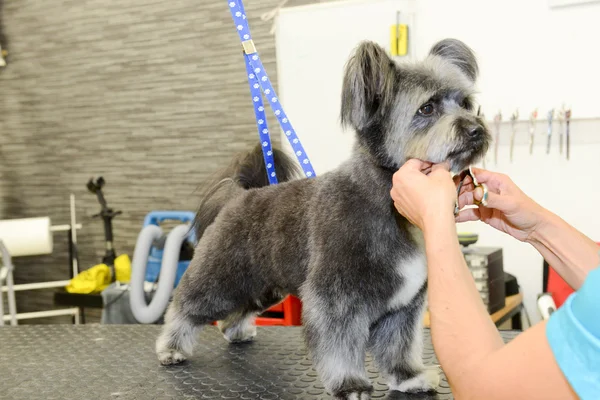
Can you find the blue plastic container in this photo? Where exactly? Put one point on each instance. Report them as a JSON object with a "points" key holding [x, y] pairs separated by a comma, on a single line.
{"points": [[156, 254]]}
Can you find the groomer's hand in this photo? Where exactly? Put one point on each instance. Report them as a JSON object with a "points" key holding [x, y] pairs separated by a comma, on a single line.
{"points": [[423, 192], [509, 209]]}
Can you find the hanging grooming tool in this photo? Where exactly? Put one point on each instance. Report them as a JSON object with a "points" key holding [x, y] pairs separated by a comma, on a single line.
{"points": [[550, 118], [483, 186], [3, 41], [561, 127], [532, 121], [568, 120], [399, 38], [3, 54], [513, 126], [497, 120]]}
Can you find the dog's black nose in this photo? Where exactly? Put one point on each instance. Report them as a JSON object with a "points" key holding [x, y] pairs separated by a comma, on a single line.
{"points": [[475, 131]]}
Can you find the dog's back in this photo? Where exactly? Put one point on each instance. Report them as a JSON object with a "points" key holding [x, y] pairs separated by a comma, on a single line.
{"points": [[246, 171]]}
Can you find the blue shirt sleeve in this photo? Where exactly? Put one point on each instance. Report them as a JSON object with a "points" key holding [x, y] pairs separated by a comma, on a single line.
{"points": [[573, 333]]}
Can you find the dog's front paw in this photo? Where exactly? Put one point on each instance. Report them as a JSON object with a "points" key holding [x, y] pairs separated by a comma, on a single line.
{"points": [[170, 357], [353, 389], [426, 381]]}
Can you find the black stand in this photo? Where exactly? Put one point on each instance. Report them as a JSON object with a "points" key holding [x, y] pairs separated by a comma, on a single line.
{"points": [[92, 300], [107, 214]]}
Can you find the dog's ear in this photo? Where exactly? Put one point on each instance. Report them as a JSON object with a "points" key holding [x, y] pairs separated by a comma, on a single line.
{"points": [[458, 54], [368, 88]]}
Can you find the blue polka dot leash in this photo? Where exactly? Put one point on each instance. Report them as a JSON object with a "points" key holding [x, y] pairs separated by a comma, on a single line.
{"points": [[258, 79]]}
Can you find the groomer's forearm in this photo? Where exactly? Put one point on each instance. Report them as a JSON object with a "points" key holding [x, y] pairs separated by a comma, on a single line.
{"points": [[568, 251], [461, 328]]}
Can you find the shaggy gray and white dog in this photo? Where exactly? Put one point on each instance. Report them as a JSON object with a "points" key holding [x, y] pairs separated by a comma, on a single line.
{"points": [[336, 241]]}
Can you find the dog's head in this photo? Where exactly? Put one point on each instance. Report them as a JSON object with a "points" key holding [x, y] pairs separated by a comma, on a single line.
{"points": [[423, 110]]}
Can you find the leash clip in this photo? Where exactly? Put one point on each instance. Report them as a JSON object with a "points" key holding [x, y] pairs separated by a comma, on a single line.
{"points": [[248, 46]]}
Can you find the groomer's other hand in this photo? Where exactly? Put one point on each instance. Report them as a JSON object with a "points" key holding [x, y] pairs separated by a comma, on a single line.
{"points": [[509, 209], [423, 192]]}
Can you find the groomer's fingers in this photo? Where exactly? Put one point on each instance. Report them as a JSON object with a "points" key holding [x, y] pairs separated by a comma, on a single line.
{"points": [[483, 175], [496, 182], [465, 199], [466, 180], [426, 165], [415, 164], [469, 214], [440, 170], [441, 167], [494, 200], [467, 186]]}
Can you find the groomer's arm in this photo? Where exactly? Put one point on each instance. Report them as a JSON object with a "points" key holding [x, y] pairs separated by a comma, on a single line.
{"points": [[462, 331], [568, 251], [467, 344]]}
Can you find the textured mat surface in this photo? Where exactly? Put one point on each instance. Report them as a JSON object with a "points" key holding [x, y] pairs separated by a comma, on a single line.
{"points": [[118, 362]]}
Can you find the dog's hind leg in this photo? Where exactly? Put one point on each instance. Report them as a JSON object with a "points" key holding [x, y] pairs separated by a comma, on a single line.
{"points": [[199, 300], [396, 343], [178, 336], [238, 327]]}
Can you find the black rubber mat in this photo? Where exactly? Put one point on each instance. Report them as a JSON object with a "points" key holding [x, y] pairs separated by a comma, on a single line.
{"points": [[118, 362]]}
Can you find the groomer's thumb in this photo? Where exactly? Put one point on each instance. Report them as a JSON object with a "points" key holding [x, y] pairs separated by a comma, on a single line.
{"points": [[414, 164], [440, 171], [478, 193]]}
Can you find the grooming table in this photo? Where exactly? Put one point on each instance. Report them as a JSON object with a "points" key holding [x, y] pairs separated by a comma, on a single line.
{"points": [[118, 362]]}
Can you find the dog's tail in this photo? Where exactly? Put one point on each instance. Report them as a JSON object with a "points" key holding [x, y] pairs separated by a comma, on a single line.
{"points": [[246, 171]]}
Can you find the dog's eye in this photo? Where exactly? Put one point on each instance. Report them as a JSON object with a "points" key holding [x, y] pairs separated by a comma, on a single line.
{"points": [[466, 104], [426, 109]]}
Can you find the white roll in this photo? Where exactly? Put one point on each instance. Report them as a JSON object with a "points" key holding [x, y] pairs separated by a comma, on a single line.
{"points": [[27, 236]]}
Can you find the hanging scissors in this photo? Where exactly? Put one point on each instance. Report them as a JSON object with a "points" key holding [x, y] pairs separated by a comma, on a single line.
{"points": [[532, 121], [513, 124], [550, 118], [561, 127]]}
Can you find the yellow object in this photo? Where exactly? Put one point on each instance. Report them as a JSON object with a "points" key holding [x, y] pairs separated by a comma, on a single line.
{"points": [[97, 278], [399, 40]]}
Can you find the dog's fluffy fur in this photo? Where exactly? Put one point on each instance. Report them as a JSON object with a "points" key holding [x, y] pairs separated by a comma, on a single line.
{"points": [[336, 241]]}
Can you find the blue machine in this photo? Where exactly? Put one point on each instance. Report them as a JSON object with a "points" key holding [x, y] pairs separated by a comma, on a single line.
{"points": [[155, 259], [158, 259]]}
